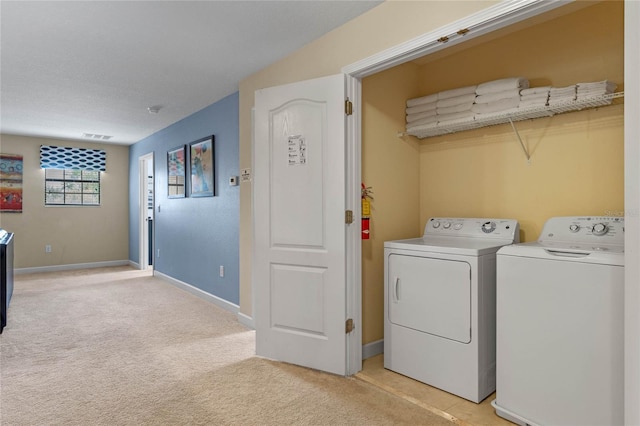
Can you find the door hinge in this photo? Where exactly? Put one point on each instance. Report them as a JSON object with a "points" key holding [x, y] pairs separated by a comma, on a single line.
{"points": [[348, 217], [348, 107], [349, 326]]}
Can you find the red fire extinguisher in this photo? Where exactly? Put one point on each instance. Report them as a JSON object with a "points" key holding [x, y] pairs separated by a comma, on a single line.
{"points": [[366, 211]]}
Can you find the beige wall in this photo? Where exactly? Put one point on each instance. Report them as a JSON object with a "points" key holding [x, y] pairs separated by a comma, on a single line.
{"points": [[385, 26], [76, 234]]}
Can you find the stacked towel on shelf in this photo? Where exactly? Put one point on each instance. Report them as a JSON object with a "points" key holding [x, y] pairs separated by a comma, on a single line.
{"points": [[559, 95], [446, 106], [534, 97], [421, 111], [595, 89], [455, 118], [502, 84], [455, 105], [497, 96], [422, 100]]}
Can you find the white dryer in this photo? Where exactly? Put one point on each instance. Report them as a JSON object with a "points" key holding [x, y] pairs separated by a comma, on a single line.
{"points": [[439, 304], [560, 324]]}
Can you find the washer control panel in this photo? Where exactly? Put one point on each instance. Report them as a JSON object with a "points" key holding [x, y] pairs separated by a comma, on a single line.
{"points": [[507, 229], [590, 230]]}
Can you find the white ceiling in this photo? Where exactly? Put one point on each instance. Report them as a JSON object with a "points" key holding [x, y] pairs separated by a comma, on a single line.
{"points": [[70, 68]]}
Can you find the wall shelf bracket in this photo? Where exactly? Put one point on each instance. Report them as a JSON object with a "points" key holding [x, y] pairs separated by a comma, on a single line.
{"points": [[524, 148]]}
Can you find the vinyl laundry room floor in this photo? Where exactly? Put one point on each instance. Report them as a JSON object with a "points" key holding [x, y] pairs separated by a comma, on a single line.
{"points": [[458, 410]]}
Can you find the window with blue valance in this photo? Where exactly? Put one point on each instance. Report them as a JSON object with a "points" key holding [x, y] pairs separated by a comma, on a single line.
{"points": [[58, 157]]}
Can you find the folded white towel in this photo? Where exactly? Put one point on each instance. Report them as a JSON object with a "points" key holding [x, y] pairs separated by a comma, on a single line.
{"points": [[446, 94], [422, 100], [431, 106], [532, 103], [424, 126], [454, 108], [535, 90], [423, 121], [607, 85], [455, 116], [420, 116], [590, 91], [561, 100], [562, 91], [535, 96], [502, 84], [496, 96], [452, 121], [499, 105], [458, 100]]}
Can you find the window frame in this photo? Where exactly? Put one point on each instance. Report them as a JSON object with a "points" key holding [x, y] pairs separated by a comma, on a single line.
{"points": [[67, 181]]}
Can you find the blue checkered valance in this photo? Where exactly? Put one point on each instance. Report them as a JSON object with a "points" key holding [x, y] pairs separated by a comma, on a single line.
{"points": [[59, 157]]}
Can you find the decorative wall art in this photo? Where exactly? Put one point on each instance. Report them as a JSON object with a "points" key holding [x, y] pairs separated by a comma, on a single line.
{"points": [[176, 172], [202, 167], [11, 183]]}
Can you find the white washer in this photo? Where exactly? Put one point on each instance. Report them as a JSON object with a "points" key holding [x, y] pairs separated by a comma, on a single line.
{"points": [[439, 304], [560, 325]]}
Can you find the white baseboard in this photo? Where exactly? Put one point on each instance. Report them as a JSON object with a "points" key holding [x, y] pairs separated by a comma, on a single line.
{"points": [[372, 349], [70, 267], [246, 320], [228, 306]]}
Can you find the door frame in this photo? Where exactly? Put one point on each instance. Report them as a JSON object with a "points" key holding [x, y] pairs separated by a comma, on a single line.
{"points": [[493, 18], [143, 259]]}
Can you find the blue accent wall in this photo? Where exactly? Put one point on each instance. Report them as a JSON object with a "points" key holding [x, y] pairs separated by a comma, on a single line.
{"points": [[195, 236]]}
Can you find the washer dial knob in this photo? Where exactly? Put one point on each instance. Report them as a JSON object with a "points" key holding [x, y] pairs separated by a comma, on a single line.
{"points": [[435, 224], [599, 229], [457, 226], [488, 227], [574, 228], [446, 225]]}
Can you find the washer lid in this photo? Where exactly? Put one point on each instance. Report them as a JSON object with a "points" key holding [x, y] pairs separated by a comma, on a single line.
{"points": [[582, 253]]}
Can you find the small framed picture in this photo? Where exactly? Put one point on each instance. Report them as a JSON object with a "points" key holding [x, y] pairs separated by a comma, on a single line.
{"points": [[176, 172], [202, 161]]}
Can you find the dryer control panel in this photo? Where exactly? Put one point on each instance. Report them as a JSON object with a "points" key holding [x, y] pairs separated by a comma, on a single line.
{"points": [[587, 230], [488, 228]]}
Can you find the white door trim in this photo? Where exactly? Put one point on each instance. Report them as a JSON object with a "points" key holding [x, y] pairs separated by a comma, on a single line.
{"points": [[143, 261], [353, 176], [485, 21], [501, 15]]}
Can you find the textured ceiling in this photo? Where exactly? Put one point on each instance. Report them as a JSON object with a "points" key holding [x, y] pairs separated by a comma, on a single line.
{"points": [[70, 68]]}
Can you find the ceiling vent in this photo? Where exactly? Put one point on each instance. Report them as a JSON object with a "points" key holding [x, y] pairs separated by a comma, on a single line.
{"points": [[98, 137]]}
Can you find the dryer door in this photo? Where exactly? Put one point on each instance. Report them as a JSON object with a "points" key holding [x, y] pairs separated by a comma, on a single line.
{"points": [[430, 295]]}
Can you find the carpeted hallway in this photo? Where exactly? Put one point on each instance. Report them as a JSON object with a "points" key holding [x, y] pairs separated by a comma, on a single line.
{"points": [[117, 346]]}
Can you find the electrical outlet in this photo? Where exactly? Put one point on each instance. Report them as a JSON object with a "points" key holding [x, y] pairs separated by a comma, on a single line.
{"points": [[221, 270], [47, 248], [158, 252]]}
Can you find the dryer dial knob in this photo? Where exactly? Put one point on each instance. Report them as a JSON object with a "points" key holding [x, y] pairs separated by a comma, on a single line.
{"points": [[574, 228], [457, 226], [436, 224], [599, 229], [446, 225], [488, 227]]}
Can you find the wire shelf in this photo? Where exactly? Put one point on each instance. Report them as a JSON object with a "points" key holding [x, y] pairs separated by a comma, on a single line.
{"points": [[431, 130]]}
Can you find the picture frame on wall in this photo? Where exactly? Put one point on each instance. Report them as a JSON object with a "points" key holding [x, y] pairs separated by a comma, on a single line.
{"points": [[176, 172], [202, 167]]}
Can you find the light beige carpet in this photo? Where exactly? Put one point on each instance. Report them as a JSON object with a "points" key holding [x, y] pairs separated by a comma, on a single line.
{"points": [[116, 346]]}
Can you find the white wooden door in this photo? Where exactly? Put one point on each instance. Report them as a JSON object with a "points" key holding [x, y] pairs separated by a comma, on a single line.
{"points": [[299, 219]]}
